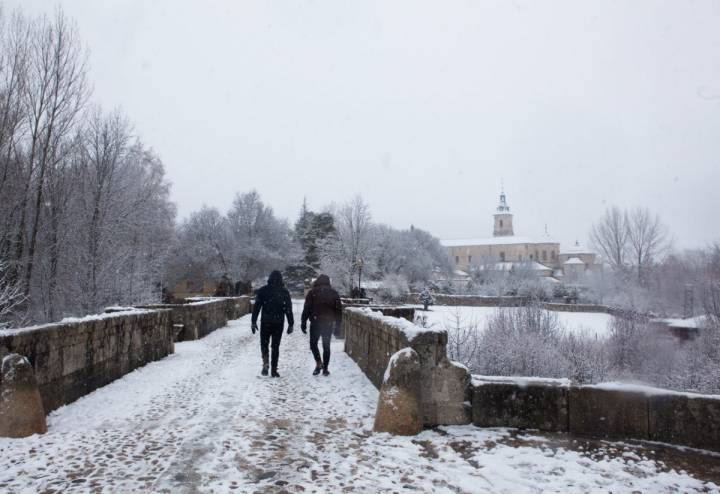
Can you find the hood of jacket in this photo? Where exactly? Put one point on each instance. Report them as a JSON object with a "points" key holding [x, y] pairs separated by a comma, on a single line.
{"points": [[275, 279], [322, 280]]}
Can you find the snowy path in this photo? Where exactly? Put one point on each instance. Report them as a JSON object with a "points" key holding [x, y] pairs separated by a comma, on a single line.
{"points": [[203, 420]]}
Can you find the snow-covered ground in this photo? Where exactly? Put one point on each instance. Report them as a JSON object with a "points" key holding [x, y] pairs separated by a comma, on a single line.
{"points": [[203, 420], [591, 324]]}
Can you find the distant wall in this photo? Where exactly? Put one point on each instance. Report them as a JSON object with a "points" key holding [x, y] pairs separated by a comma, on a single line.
{"points": [[72, 359], [202, 316], [471, 300], [371, 340], [483, 301], [597, 411]]}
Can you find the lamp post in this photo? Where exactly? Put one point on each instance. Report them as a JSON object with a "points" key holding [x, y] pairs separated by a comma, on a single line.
{"points": [[359, 264]]}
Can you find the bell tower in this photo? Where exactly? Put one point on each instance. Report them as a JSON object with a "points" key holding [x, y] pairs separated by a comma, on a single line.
{"points": [[503, 218]]}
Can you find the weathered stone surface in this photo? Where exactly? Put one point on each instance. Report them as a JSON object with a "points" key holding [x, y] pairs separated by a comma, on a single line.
{"points": [[539, 406], [689, 420], [602, 413], [371, 343], [72, 359], [202, 316], [21, 409], [444, 384], [399, 407], [445, 393]]}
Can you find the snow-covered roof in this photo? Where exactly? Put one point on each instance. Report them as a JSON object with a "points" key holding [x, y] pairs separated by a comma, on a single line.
{"points": [[459, 272], [578, 248], [574, 260], [508, 265], [509, 240], [689, 323], [535, 266]]}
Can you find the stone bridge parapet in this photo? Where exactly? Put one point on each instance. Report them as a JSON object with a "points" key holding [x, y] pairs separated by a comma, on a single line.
{"points": [[603, 411], [617, 411], [76, 356], [372, 338], [201, 316]]}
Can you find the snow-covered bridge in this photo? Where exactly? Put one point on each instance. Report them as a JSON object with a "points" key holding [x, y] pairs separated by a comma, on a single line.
{"points": [[204, 420]]}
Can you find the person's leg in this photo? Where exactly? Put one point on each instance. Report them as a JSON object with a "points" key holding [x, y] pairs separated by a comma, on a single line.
{"points": [[326, 338], [275, 346], [314, 337], [265, 334]]}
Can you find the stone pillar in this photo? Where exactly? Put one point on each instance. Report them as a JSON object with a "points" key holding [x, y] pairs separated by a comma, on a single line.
{"points": [[21, 409], [399, 409]]}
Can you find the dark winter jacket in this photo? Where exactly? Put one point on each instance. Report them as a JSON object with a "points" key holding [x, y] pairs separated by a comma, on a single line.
{"points": [[322, 304], [274, 301]]}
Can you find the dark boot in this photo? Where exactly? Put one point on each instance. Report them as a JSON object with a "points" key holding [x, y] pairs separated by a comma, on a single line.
{"points": [[326, 372], [275, 373], [264, 371], [318, 368]]}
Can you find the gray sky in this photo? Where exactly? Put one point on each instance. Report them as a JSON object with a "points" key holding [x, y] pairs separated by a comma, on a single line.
{"points": [[423, 107]]}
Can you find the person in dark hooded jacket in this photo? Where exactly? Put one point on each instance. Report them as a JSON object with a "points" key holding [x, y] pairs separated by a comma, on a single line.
{"points": [[324, 310], [273, 300]]}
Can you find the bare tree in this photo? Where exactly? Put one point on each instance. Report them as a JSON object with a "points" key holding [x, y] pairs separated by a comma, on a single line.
{"points": [[648, 239], [55, 95], [350, 249], [10, 296], [610, 235]]}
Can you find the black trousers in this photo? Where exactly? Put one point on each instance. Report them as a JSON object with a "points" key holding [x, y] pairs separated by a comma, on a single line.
{"points": [[270, 335], [316, 332]]}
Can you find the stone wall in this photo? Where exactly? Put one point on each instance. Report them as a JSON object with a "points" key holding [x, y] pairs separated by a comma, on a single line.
{"points": [[614, 412], [484, 301], [202, 316], [471, 300], [371, 339], [71, 359], [407, 313]]}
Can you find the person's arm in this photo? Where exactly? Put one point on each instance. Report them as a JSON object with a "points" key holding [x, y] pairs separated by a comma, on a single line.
{"points": [[338, 309], [288, 309], [256, 307], [307, 309]]}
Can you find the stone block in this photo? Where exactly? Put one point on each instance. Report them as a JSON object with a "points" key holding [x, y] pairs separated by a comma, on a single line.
{"points": [[21, 408], [445, 392], [541, 406], [608, 413], [399, 408], [688, 420]]}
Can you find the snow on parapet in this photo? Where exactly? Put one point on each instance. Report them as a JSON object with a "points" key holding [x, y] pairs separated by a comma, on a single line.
{"points": [[647, 390], [409, 329], [407, 351], [521, 381], [524, 381], [75, 320]]}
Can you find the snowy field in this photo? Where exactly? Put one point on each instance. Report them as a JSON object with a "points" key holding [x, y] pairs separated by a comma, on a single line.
{"points": [[203, 420], [444, 316]]}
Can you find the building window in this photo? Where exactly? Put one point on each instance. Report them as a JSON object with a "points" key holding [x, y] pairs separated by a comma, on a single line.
{"points": [[502, 257], [537, 255], [552, 253], [457, 259], [544, 255], [469, 259], [501, 223], [531, 257]]}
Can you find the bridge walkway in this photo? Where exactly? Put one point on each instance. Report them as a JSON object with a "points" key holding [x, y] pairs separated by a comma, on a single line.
{"points": [[204, 420]]}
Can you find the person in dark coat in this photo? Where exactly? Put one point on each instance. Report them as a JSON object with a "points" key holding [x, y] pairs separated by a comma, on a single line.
{"points": [[324, 311], [224, 288], [273, 300]]}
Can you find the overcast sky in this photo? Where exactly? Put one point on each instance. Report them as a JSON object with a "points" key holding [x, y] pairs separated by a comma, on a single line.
{"points": [[424, 107]]}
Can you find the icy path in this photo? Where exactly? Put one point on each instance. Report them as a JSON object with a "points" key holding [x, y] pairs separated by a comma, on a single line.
{"points": [[203, 420]]}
